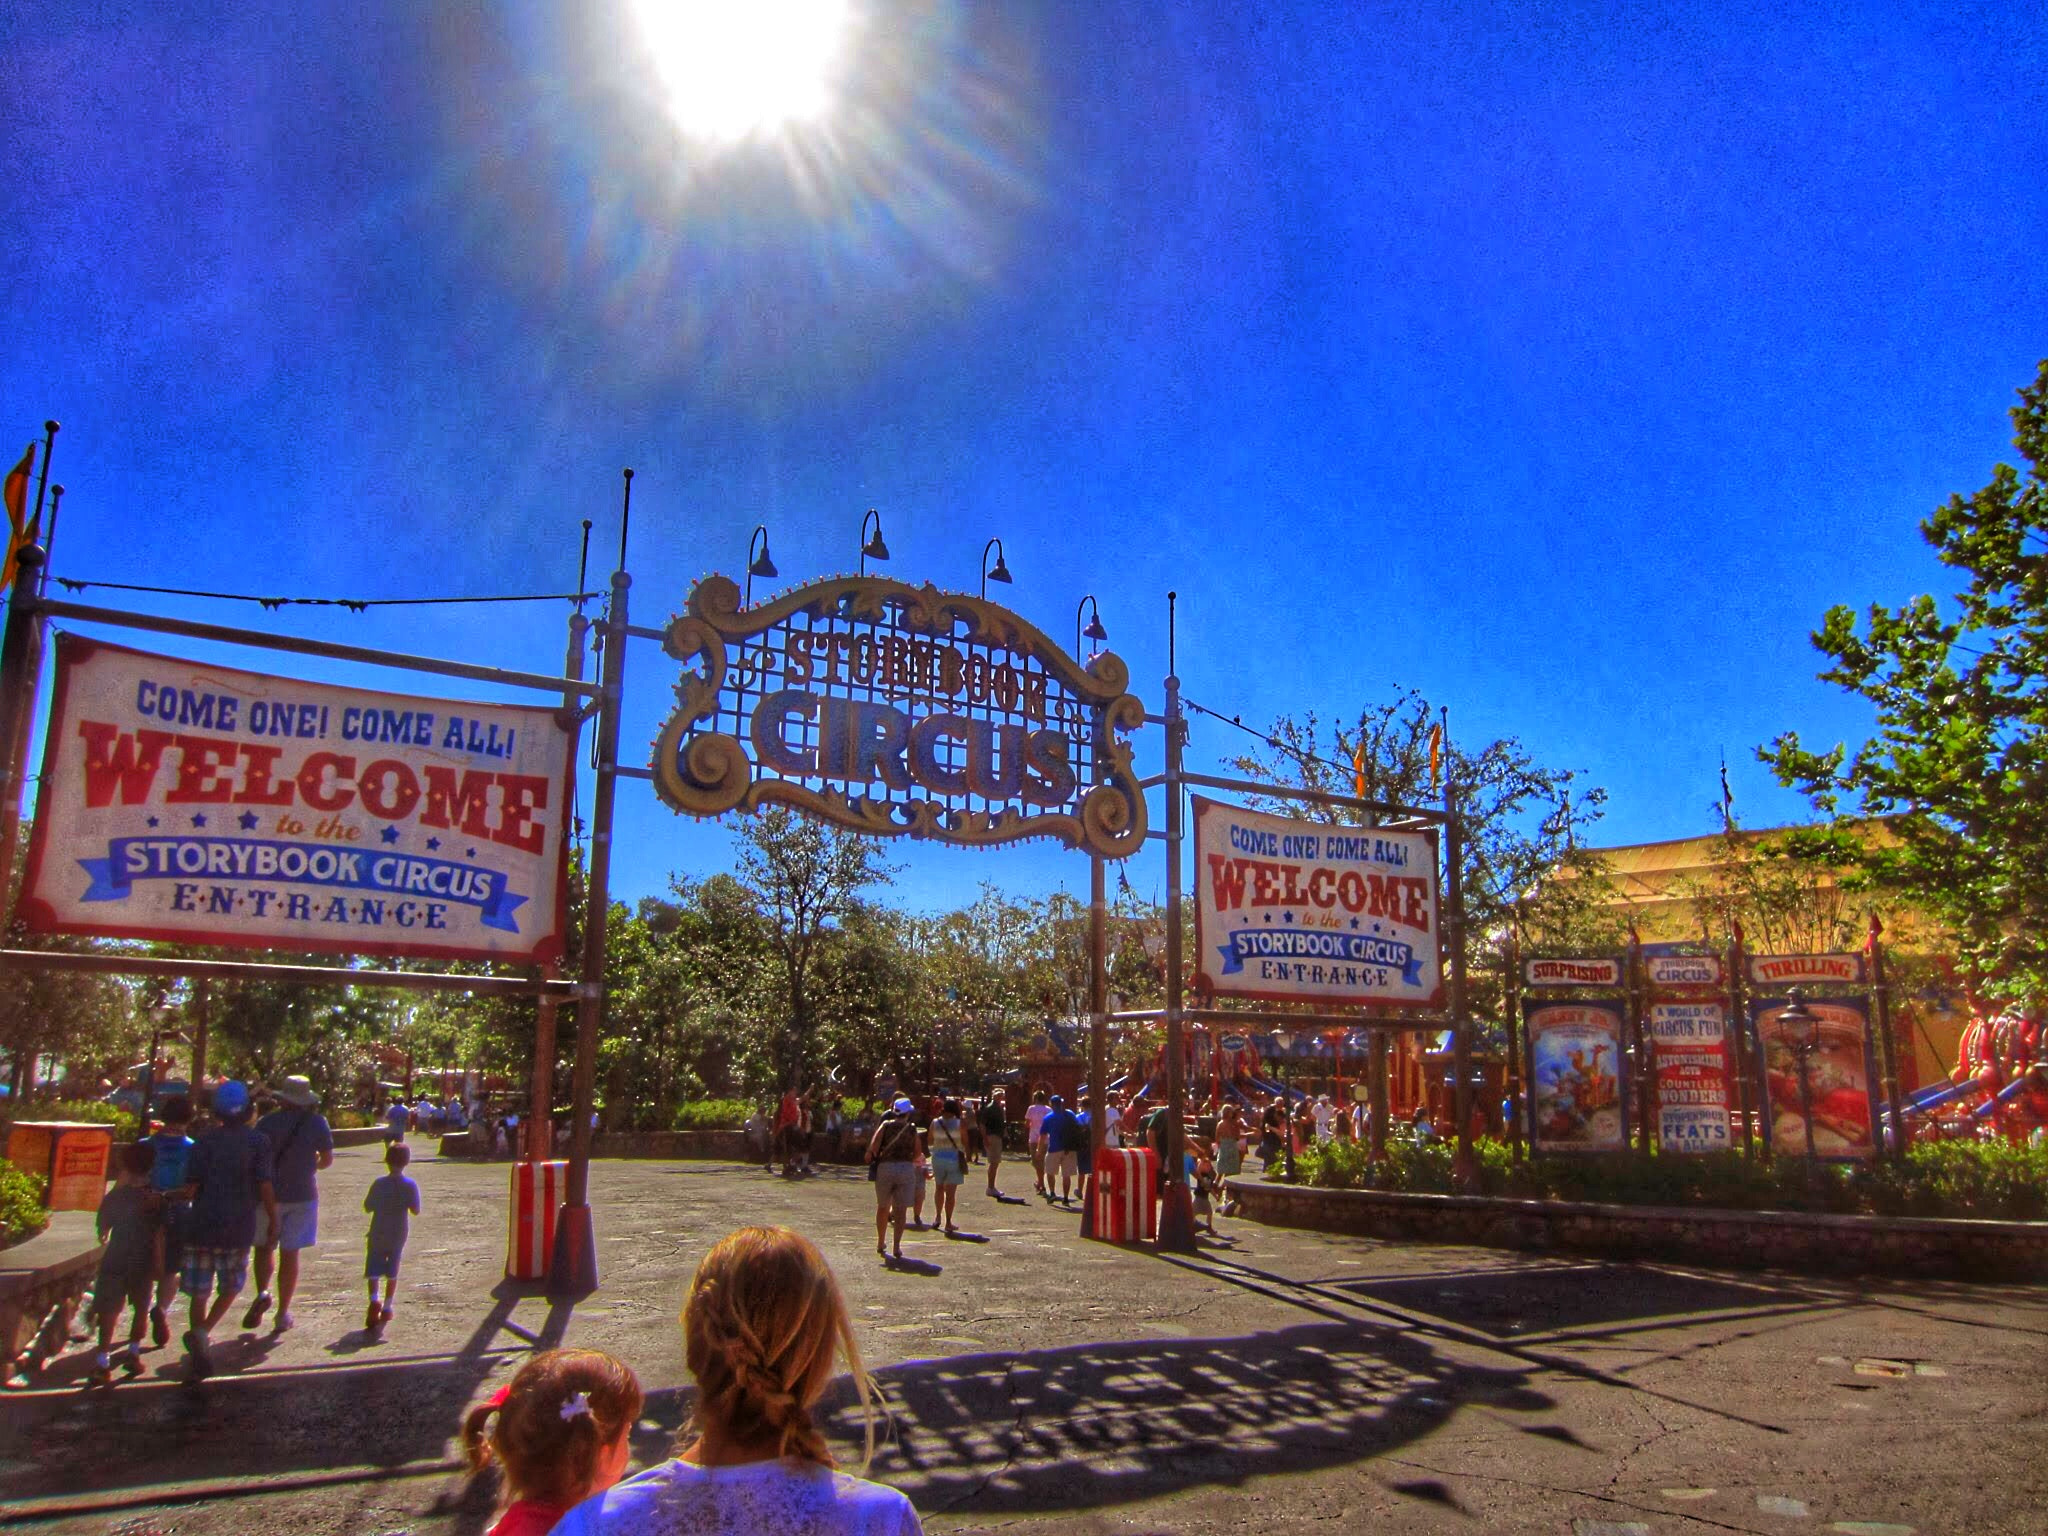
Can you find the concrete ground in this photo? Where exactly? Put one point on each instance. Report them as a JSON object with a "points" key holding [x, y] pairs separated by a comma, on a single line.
{"points": [[1039, 1383]]}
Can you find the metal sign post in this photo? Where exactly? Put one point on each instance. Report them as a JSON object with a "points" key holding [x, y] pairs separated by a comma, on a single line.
{"points": [[1177, 1208]]}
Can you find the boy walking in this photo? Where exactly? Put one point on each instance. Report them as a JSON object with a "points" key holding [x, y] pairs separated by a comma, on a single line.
{"points": [[392, 1202], [127, 1275], [170, 1147], [227, 1179]]}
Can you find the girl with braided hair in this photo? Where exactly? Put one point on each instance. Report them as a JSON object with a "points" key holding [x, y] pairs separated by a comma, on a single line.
{"points": [[559, 1432], [763, 1329]]}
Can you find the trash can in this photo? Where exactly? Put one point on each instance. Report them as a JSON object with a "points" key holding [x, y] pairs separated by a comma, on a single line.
{"points": [[1126, 1207], [536, 1203], [71, 1154]]}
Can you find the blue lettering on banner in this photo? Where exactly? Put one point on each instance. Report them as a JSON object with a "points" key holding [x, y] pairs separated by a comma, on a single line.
{"points": [[130, 859], [1295, 944]]}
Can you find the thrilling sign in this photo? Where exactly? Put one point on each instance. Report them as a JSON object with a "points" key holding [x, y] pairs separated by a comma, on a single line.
{"points": [[892, 709], [190, 802], [1296, 911]]}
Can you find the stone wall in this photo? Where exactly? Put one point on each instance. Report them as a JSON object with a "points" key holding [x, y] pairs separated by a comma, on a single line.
{"points": [[1874, 1245], [719, 1146]]}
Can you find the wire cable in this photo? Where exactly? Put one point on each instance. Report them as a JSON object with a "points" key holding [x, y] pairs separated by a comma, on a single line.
{"points": [[353, 604]]}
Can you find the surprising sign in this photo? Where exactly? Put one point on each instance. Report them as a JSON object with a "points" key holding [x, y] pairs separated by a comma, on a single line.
{"points": [[195, 803], [1294, 911]]}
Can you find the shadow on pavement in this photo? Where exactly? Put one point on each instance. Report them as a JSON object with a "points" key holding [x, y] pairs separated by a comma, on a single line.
{"points": [[357, 1410], [1102, 1424]]}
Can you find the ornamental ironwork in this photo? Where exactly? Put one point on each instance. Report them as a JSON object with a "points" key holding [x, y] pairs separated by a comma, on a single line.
{"points": [[898, 710]]}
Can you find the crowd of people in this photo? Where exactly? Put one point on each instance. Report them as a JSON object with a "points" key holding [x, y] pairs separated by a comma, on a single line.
{"points": [[194, 1208]]}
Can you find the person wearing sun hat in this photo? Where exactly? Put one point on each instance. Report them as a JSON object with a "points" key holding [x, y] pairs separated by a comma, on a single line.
{"points": [[228, 1181], [301, 1144], [893, 1149]]}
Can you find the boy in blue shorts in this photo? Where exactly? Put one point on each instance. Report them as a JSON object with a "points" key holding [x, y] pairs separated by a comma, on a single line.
{"points": [[392, 1203]]}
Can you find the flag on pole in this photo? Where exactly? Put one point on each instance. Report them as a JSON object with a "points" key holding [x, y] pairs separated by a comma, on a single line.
{"points": [[15, 494], [1727, 798], [1436, 754], [1358, 771]]}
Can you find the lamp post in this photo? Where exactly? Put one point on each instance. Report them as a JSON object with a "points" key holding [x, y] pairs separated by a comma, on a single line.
{"points": [[1284, 1038], [871, 547], [760, 565], [1000, 572], [1094, 631], [1801, 1026]]}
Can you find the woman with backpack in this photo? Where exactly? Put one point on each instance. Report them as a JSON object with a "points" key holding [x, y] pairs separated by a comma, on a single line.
{"points": [[894, 1150]]}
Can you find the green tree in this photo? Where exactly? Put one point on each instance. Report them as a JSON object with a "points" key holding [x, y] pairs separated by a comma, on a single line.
{"points": [[806, 876], [1958, 769]]}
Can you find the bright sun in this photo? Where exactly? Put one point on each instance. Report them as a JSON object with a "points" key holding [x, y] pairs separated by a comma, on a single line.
{"points": [[737, 67]]}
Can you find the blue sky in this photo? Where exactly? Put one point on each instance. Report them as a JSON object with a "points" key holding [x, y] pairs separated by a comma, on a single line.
{"points": [[1564, 363]]}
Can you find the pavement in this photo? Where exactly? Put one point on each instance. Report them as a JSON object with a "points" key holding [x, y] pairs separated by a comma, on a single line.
{"points": [[1037, 1382]]}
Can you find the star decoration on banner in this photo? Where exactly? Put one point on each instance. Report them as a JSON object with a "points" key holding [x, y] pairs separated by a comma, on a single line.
{"points": [[153, 821], [469, 853], [389, 834], [249, 820], [433, 843], [199, 818]]}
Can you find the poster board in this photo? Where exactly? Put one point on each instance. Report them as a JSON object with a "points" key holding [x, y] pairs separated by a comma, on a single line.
{"points": [[1841, 1073], [1577, 1083], [201, 804], [1304, 912], [1689, 1040]]}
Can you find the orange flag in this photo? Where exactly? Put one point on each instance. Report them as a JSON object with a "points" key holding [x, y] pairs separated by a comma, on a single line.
{"points": [[1436, 749], [15, 493], [1358, 771]]}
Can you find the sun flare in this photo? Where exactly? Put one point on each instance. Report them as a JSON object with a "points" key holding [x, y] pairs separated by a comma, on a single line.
{"points": [[733, 68]]}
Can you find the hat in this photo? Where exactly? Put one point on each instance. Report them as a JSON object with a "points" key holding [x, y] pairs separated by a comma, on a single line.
{"points": [[1058, 1102], [903, 1107], [230, 1097], [297, 1091]]}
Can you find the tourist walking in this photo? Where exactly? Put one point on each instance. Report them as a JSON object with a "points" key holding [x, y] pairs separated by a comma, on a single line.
{"points": [[228, 1181], [170, 1148], [301, 1145], [1034, 1134], [949, 1163], [893, 1149], [391, 1203], [1063, 1135], [127, 1224], [764, 1332], [992, 1136]]}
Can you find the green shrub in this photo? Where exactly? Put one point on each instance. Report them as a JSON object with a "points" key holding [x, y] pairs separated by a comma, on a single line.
{"points": [[1984, 1179], [711, 1115], [21, 1205], [87, 1111]]}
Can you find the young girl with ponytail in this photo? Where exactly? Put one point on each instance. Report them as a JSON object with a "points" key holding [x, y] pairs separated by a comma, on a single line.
{"points": [[558, 1433], [763, 1330]]}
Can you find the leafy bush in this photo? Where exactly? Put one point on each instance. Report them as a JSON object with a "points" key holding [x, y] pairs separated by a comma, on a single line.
{"points": [[349, 1119], [21, 1205], [711, 1115], [88, 1111], [1953, 1178]]}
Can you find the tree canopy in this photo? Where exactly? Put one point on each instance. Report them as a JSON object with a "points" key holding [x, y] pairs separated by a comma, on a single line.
{"points": [[1958, 768]]}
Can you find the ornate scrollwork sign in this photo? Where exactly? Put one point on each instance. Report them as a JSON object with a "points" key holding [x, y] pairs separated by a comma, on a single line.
{"points": [[892, 709]]}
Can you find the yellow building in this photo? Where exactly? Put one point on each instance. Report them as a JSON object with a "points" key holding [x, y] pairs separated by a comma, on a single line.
{"points": [[1689, 889]]}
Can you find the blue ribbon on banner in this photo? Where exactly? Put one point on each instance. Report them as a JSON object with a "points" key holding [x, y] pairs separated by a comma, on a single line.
{"points": [[1313, 944], [130, 859]]}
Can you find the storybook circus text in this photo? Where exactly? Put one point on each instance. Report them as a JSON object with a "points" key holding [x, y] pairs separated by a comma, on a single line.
{"points": [[190, 802]]}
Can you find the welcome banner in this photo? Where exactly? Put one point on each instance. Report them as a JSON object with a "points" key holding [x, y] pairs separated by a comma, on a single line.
{"points": [[1295, 911], [189, 802]]}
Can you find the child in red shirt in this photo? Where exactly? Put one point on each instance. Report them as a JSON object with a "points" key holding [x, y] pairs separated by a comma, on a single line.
{"points": [[559, 1432]]}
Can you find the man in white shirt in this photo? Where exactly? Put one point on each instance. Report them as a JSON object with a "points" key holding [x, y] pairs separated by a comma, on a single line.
{"points": [[1034, 1127]]}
